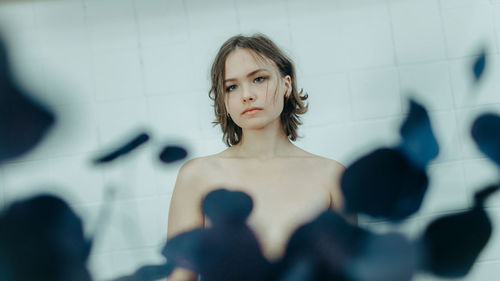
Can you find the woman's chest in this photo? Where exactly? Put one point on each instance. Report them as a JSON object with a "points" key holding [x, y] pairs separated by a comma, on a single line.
{"points": [[283, 198], [276, 186]]}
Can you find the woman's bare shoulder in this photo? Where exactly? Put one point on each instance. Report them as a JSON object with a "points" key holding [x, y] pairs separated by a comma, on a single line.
{"points": [[333, 164], [321, 161], [198, 164], [201, 168]]}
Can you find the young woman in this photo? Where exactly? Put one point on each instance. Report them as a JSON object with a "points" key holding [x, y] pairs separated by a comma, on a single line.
{"points": [[257, 105]]}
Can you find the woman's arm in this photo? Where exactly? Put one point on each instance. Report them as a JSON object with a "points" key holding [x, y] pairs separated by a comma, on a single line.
{"points": [[185, 209], [337, 198]]}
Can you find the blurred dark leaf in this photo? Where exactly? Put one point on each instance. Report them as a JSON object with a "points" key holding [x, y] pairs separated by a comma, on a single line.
{"points": [[149, 273], [386, 257], [479, 66], [383, 184], [418, 141], [172, 153], [42, 239], [304, 269], [328, 242], [452, 243], [486, 133], [228, 250], [227, 207], [124, 149], [391, 182], [23, 121]]}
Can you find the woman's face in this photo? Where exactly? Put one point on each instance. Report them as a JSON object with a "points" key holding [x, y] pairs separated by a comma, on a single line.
{"points": [[250, 83]]}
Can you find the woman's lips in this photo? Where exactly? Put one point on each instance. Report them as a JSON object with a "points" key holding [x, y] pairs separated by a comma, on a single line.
{"points": [[253, 111]]}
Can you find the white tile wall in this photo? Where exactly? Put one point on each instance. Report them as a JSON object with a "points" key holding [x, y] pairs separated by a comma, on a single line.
{"points": [[61, 25], [167, 69], [132, 224], [465, 93], [444, 126], [18, 22], [101, 266], [163, 215], [467, 27], [19, 10], [168, 121], [262, 15], [329, 99], [127, 261], [372, 134], [206, 115], [67, 78], [117, 74], [75, 174], [318, 50], [121, 119], [111, 68], [134, 176], [496, 13], [480, 173], [452, 4], [161, 22], [483, 271], [332, 141], [166, 175], [318, 54], [202, 51], [365, 34], [446, 190], [209, 18], [373, 87], [415, 39], [111, 24], [428, 83], [17, 185]]}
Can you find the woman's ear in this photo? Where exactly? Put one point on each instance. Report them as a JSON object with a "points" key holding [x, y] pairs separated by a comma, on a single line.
{"points": [[288, 86]]}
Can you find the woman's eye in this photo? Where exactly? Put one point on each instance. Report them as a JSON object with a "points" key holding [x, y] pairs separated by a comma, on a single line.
{"points": [[260, 79], [230, 88]]}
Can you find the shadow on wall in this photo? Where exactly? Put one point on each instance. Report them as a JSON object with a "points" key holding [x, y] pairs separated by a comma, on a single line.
{"points": [[41, 238]]}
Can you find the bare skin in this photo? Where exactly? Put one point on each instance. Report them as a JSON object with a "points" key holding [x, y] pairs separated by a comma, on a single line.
{"points": [[286, 191], [288, 185]]}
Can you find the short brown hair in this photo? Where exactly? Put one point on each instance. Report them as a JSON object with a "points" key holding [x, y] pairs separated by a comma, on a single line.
{"points": [[262, 47]]}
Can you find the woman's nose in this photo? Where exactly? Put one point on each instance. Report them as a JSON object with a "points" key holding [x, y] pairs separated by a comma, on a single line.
{"points": [[247, 95]]}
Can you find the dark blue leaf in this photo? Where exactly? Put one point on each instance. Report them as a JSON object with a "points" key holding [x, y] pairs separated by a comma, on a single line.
{"points": [[224, 206], [124, 149], [418, 141], [384, 184], [329, 242], [486, 134], [388, 257], [452, 243], [23, 121], [43, 239], [172, 153], [207, 251], [479, 66]]}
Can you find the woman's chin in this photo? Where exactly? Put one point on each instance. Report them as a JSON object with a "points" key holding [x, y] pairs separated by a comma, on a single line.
{"points": [[256, 123], [254, 127]]}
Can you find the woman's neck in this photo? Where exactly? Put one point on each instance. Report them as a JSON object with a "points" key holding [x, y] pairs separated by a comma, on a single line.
{"points": [[266, 143]]}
